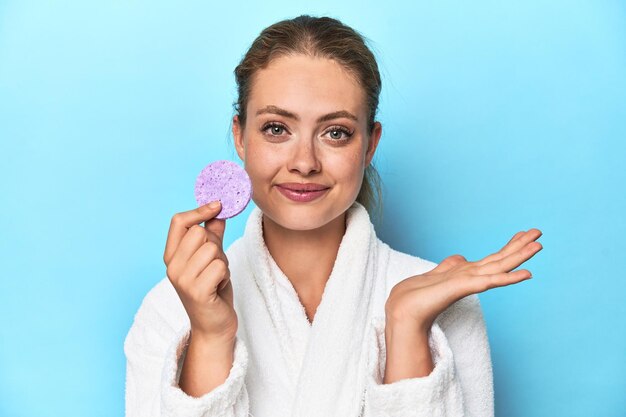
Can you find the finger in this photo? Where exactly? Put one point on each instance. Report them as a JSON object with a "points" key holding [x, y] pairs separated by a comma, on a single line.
{"points": [[195, 237], [212, 237], [181, 222], [212, 278], [198, 262], [516, 236], [511, 261], [522, 240], [486, 282], [448, 263], [518, 241], [216, 227]]}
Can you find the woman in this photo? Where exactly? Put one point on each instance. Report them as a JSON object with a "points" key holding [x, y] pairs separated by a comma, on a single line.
{"points": [[309, 313]]}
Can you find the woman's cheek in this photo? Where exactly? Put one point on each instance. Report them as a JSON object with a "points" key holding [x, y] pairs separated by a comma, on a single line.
{"points": [[256, 157], [349, 163]]}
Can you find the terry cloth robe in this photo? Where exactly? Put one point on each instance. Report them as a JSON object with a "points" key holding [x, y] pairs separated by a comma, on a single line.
{"points": [[284, 366]]}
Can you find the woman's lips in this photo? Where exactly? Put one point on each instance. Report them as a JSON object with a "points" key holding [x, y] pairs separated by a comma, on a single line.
{"points": [[302, 193]]}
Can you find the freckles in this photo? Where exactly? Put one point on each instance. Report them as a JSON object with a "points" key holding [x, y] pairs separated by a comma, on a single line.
{"points": [[253, 159], [355, 157], [262, 161], [254, 150], [346, 167]]}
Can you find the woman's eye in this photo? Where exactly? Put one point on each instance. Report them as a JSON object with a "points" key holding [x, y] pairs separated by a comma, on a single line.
{"points": [[277, 130], [274, 129], [336, 133]]}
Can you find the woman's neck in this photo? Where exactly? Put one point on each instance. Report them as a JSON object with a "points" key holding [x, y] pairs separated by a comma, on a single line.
{"points": [[306, 257]]}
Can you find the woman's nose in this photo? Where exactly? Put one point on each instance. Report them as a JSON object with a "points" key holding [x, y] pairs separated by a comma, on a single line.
{"points": [[304, 158]]}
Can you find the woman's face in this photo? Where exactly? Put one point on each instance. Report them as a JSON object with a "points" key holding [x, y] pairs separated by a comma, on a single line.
{"points": [[306, 126]]}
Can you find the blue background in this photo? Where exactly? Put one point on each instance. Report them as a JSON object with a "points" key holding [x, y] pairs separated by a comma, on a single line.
{"points": [[497, 117]]}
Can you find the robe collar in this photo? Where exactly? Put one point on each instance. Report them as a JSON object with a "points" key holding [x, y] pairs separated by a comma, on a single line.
{"points": [[329, 375]]}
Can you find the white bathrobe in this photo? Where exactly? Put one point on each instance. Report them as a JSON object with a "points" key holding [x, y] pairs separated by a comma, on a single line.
{"points": [[284, 366]]}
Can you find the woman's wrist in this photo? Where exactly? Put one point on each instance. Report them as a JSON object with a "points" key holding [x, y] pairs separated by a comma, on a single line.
{"points": [[211, 344], [207, 364], [408, 352]]}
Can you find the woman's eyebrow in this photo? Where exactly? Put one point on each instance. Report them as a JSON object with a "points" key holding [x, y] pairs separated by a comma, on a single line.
{"points": [[326, 117]]}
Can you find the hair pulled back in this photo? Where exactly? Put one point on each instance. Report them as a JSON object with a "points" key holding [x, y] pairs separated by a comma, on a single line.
{"points": [[319, 37]]}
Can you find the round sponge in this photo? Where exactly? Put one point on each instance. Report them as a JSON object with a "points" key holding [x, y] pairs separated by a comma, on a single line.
{"points": [[227, 182]]}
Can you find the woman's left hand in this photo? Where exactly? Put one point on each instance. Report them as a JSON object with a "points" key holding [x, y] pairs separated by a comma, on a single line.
{"points": [[417, 301]]}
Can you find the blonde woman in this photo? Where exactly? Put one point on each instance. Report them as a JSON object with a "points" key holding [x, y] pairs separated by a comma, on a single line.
{"points": [[309, 313]]}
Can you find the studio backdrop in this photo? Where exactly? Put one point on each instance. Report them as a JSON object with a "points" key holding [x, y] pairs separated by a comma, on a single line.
{"points": [[497, 117]]}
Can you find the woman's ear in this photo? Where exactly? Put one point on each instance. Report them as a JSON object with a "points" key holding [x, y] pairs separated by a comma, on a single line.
{"points": [[238, 138], [373, 142]]}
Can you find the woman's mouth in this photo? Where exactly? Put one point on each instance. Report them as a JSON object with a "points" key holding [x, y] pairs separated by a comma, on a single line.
{"points": [[302, 193]]}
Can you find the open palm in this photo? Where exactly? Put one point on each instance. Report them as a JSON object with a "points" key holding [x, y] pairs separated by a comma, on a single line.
{"points": [[418, 300]]}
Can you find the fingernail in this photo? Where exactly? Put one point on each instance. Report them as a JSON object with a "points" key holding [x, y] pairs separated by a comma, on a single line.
{"points": [[214, 204]]}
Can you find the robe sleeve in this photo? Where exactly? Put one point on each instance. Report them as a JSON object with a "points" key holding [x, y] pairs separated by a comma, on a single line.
{"points": [[154, 356], [461, 381]]}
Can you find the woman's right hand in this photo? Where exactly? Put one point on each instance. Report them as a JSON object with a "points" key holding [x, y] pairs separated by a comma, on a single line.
{"points": [[198, 269]]}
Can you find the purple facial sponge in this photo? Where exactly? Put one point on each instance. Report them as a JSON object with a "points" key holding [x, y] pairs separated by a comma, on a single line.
{"points": [[225, 181]]}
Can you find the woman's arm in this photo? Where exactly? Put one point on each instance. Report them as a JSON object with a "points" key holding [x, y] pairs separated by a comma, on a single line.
{"points": [[155, 353], [460, 382], [412, 309], [436, 394], [408, 353], [206, 365], [466, 332]]}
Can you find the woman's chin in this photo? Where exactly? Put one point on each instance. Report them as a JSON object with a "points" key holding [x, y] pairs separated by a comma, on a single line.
{"points": [[299, 218]]}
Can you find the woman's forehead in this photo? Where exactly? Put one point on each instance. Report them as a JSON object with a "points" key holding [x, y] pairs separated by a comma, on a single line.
{"points": [[302, 84]]}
